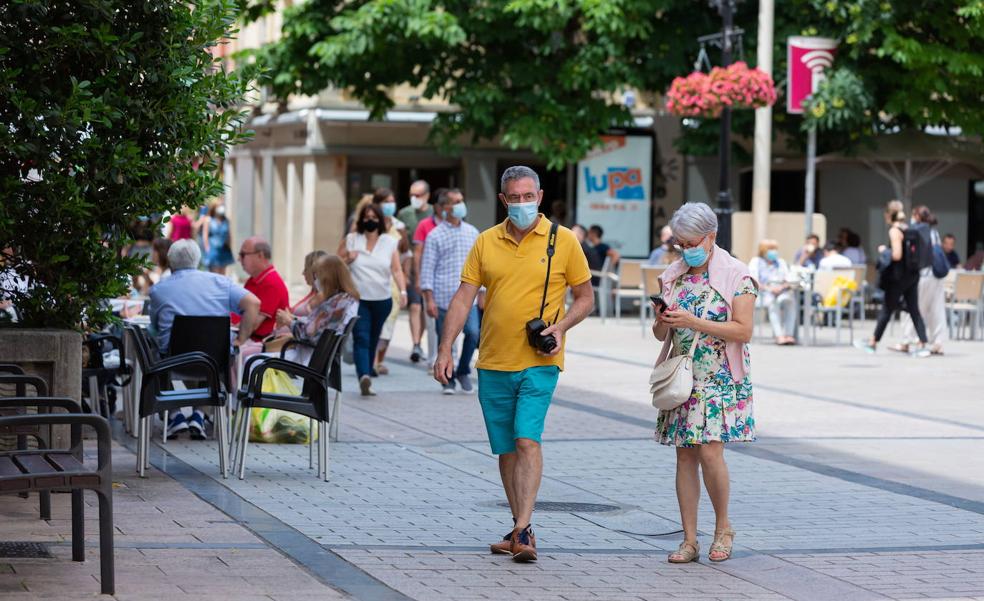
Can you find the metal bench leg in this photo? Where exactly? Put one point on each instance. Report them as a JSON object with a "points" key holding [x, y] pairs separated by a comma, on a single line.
{"points": [[164, 427], [78, 526], [140, 437], [106, 561], [45, 502]]}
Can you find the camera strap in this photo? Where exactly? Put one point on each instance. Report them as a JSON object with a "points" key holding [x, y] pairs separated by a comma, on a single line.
{"points": [[551, 246]]}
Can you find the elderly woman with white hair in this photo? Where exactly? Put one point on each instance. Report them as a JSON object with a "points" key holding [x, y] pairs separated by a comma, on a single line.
{"points": [[710, 302]]}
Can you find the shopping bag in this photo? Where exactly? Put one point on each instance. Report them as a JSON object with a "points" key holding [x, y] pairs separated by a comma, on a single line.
{"points": [[840, 292], [274, 425]]}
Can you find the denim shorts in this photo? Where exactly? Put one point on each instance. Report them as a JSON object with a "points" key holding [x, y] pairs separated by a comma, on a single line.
{"points": [[515, 403]]}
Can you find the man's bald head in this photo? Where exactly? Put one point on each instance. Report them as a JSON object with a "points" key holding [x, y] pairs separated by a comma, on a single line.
{"points": [[255, 255]]}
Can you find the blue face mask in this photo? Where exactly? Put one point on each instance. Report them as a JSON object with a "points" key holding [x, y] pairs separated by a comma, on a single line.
{"points": [[523, 214], [459, 211], [772, 255], [695, 257], [389, 209]]}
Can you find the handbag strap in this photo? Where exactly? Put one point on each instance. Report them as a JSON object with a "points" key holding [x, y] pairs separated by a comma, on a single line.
{"points": [[665, 352]]}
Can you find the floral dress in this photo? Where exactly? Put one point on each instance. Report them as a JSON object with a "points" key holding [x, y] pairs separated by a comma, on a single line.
{"points": [[719, 409]]}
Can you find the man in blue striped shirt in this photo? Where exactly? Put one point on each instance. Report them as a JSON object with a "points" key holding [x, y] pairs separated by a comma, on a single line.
{"points": [[445, 253]]}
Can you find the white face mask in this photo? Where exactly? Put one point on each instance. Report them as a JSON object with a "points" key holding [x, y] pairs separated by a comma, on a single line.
{"points": [[417, 202], [317, 286]]}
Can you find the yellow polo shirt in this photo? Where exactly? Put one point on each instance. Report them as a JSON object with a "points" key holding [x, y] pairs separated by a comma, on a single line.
{"points": [[513, 275]]}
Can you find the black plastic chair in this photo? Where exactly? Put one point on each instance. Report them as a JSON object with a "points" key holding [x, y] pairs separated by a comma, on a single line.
{"points": [[156, 395], [209, 335], [312, 402], [96, 377], [44, 470]]}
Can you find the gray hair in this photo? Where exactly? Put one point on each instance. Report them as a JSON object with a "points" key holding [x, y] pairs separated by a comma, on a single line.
{"points": [[517, 172], [693, 220], [184, 254], [427, 187]]}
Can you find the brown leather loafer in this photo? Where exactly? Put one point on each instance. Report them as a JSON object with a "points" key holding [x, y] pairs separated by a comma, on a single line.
{"points": [[523, 545], [504, 546]]}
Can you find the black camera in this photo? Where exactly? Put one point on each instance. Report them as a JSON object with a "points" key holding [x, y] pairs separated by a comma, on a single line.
{"points": [[544, 344]]}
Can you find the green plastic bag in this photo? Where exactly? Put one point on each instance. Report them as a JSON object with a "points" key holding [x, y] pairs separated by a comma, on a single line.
{"points": [[274, 425]]}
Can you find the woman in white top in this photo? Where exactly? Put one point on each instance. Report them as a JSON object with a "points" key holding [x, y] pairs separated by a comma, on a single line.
{"points": [[374, 260], [777, 294]]}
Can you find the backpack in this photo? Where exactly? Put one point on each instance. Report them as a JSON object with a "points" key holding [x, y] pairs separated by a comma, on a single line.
{"points": [[917, 253]]}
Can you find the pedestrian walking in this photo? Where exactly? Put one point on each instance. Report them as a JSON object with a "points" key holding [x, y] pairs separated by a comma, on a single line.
{"points": [[444, 257], [526, 263], [216, 239], [899, 265], [374, 259], [418, 210], [710, 304], [932, 294]]}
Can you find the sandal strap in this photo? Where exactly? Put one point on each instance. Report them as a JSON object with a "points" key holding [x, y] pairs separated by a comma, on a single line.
{"points": [[682, 549], [719, 544]]}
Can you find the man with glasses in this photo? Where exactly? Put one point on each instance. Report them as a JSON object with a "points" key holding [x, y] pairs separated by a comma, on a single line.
{"points": [[526, 264], [265, 283]]}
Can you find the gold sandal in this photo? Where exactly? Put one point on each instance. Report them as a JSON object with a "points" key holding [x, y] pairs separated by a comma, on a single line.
{"points": [[685, 553], [719, 546]]}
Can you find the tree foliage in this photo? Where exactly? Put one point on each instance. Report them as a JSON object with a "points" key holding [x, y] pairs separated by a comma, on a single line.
{"points": [[543, 74], [110, 110], [547, 74]]}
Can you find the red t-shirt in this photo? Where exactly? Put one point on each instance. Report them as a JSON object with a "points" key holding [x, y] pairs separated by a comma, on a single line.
{"points": [[424, 228], [180, 227], [269, 287]]}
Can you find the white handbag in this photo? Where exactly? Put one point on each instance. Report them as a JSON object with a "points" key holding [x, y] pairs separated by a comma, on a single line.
{"points": [[672, 380]]}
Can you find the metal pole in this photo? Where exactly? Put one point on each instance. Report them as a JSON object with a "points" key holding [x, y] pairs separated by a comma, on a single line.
{"points": [[811, 175], [724, 208], [762, 167]]}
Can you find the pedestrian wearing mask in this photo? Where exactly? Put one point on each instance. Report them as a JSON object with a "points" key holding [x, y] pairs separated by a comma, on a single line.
{"points": [[373, 257], [444, 257], [526, 263], [809, 256], [412, 215], [709, 301], [899, 265], [932, 294]]}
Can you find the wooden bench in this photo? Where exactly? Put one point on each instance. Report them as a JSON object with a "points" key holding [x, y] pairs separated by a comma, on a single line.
{"points": [[46, 470]]}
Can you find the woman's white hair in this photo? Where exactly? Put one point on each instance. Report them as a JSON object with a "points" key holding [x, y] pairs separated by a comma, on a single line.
{"points": [[692, 221], [184, 254]]}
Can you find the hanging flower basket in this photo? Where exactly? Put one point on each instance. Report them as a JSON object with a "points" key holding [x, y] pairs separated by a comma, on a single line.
{"points": [[707, 94]]}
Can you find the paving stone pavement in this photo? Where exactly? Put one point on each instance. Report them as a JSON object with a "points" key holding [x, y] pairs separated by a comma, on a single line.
{"points": [[852, 492], [170, 544]]}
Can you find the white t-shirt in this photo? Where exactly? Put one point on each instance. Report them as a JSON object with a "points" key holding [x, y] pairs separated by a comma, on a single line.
{"points": [[834, 262], [372, 270]]}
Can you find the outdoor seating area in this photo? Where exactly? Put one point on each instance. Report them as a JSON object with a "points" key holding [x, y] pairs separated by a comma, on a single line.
{"points": [[40, 464], [834, 299]]}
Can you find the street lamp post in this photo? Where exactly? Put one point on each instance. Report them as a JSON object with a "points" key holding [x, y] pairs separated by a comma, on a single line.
{"points": [[726, 39]]}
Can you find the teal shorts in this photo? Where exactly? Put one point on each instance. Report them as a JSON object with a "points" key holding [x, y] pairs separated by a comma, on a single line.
{"points": [[515, 404]]}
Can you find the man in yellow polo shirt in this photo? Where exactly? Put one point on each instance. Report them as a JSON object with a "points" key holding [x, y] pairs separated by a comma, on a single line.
{"points": [[516, 381]]}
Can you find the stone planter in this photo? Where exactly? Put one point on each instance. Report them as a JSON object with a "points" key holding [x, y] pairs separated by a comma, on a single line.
{"points": [[55, 355]]}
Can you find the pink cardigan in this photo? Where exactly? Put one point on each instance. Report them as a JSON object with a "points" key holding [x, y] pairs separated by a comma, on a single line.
{"points": [[725, 273]]}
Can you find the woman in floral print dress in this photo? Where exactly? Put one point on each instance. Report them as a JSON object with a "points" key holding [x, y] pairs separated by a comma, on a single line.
{"points": [[712, 294]]}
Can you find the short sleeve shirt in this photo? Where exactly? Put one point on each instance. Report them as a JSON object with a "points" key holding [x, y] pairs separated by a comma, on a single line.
{"points": [[424, 228], [372, 270], [513, 275], [412, 217], [269, 287], [190, 292]]}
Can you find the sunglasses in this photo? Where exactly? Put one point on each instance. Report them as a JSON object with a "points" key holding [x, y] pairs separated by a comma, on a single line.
{"points": [[242, 254]]}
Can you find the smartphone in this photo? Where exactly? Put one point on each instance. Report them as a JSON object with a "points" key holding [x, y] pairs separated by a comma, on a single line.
{"points": [[659, 302]]}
